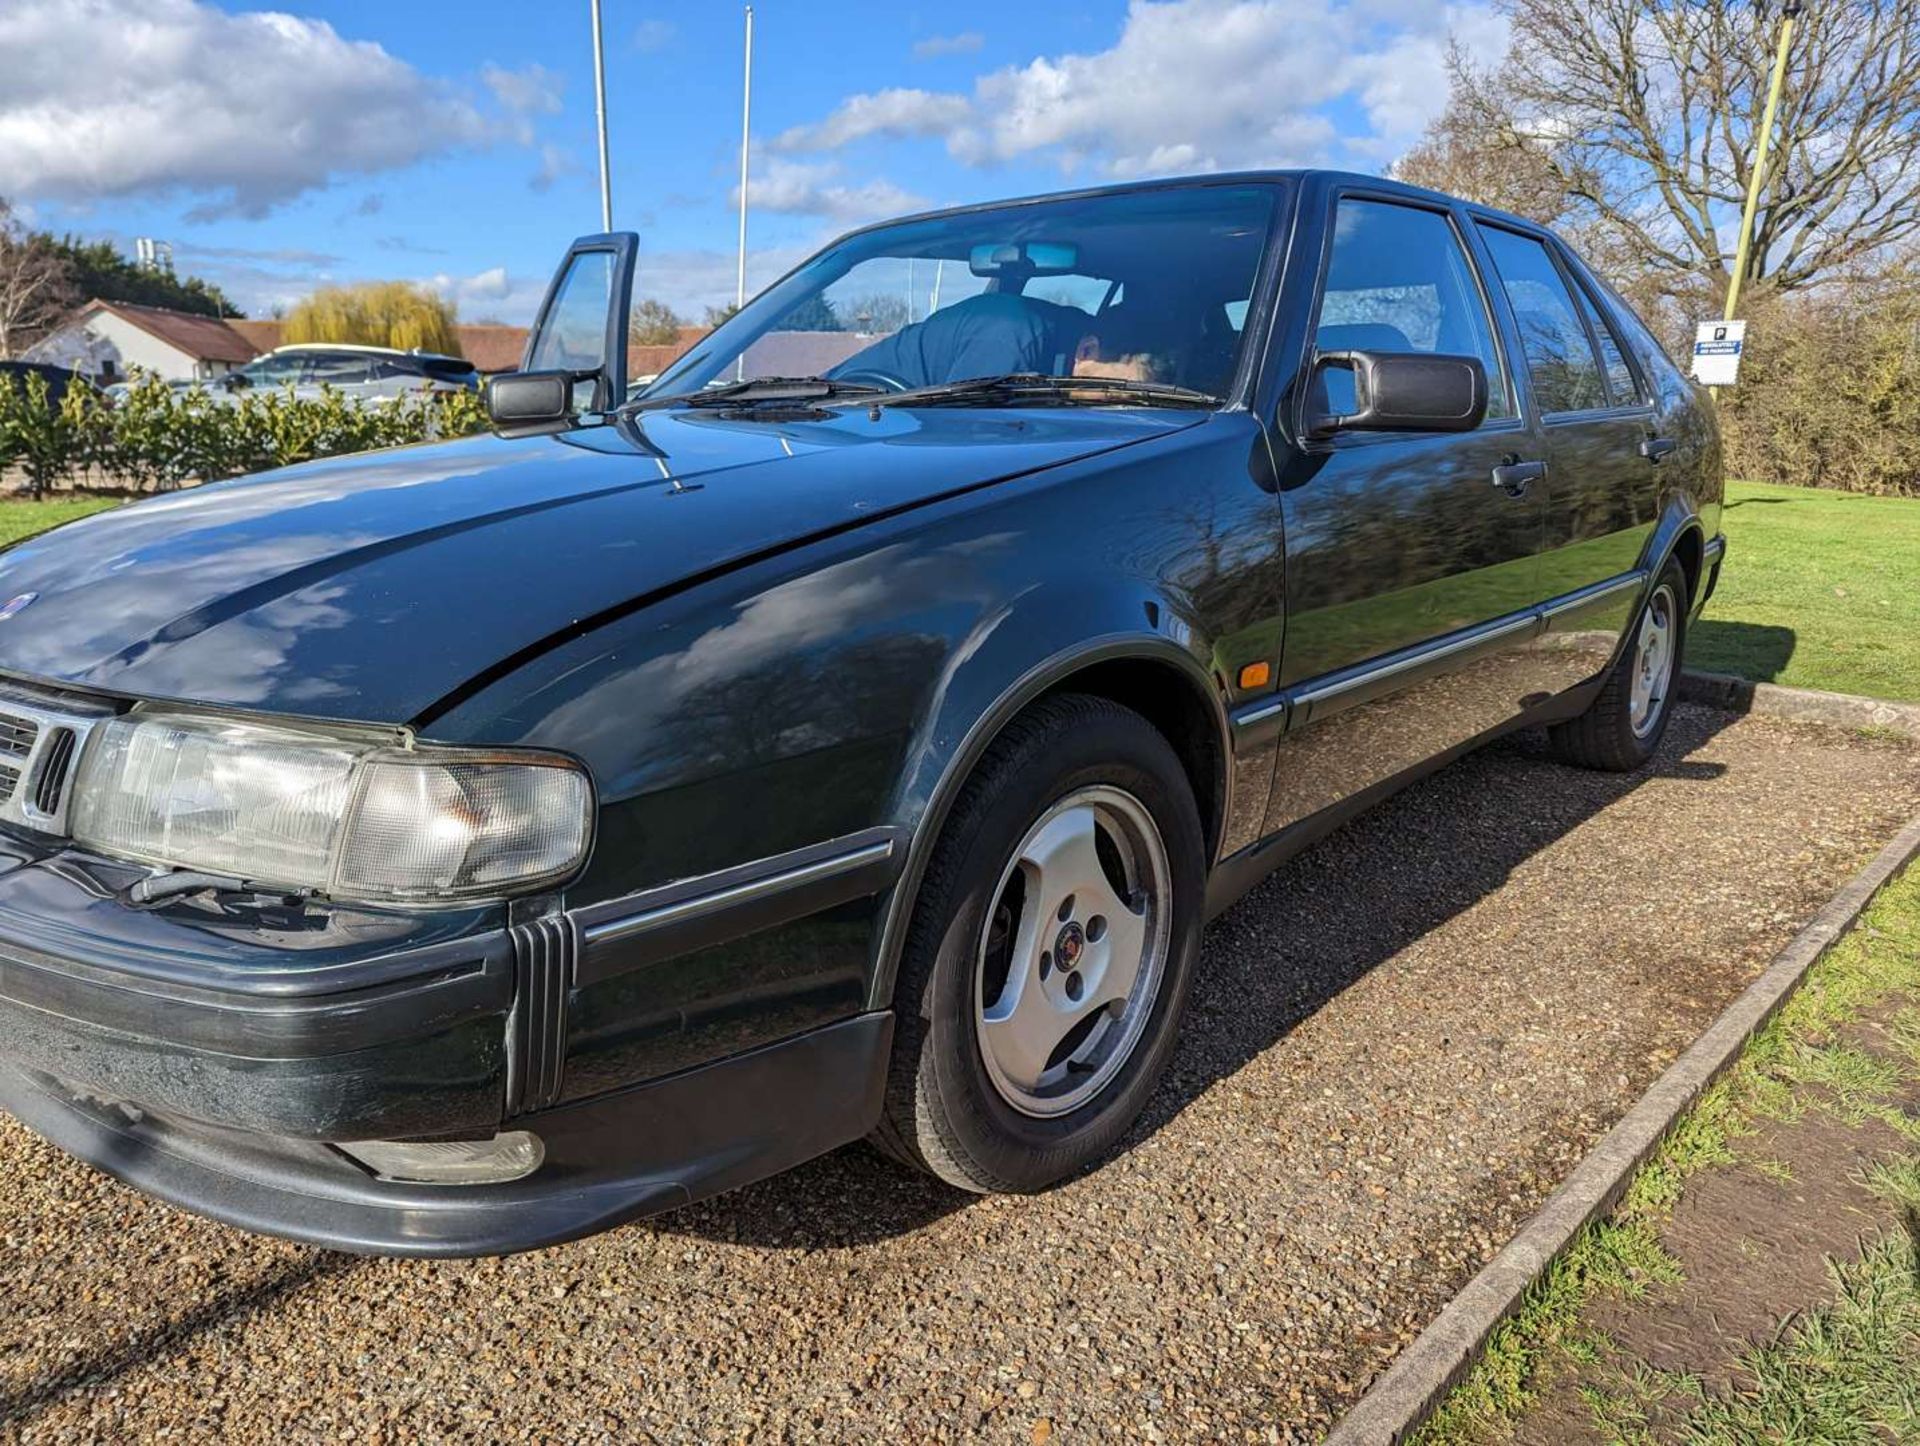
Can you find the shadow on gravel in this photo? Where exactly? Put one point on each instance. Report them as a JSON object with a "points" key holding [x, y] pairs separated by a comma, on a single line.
{"points": [[1373, 888], [225, 1308], [1320, 923]]}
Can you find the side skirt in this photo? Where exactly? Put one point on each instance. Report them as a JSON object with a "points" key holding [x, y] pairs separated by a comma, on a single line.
{"points": [[1236, 874]]}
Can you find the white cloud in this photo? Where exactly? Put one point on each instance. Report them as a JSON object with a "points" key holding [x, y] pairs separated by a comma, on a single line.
{"points": [[799, 188], [534, 90], [495, 292], [1195, 85], [103, 98], [967, 42], [652, 35], [691, 281], [555, 162], [489, 285], [893, 113]]}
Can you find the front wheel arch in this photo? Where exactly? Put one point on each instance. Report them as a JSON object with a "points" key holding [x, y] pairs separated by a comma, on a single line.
{"points": [[1131, 670]]}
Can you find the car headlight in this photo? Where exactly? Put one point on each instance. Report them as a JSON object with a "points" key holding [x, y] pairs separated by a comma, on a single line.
{"points": [[367, 821]]}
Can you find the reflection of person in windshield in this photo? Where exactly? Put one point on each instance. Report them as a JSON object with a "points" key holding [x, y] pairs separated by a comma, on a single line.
{"points": [[995, 334]]}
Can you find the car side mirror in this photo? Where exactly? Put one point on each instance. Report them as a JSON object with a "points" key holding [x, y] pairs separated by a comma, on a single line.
{"points": [[1402, 392], [582, 325], [526, 404]]}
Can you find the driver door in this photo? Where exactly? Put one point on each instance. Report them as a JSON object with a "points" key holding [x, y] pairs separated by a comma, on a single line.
{"points": [[1410, 569]]}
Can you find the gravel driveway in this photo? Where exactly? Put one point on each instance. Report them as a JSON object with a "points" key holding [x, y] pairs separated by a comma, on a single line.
{"points": [[1398, 1046]]}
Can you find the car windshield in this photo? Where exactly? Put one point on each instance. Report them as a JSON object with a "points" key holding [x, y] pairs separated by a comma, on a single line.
{"points": [[1146, 286]]}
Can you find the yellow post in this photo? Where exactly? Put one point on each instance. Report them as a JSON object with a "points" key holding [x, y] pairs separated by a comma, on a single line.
{"points": [[1743, 252]]}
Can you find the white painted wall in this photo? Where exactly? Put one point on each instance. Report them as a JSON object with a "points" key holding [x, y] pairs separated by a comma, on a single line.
{"points": [[89, 345]]}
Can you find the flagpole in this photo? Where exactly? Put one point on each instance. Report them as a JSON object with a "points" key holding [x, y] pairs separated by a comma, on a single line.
{"points": [[600, 110], [746, 126], [1744, 252]]}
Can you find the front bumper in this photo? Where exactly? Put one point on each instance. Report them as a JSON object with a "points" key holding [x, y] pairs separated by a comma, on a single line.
{"points": [[611, 1159], [212, 1054]]}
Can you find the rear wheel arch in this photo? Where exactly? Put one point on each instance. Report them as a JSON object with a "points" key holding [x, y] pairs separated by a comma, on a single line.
{"points": [[1689, 550]]}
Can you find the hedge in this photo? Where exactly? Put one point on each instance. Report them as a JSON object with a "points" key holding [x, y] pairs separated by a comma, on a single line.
{"points": [[1829, 392], [155, 437]]}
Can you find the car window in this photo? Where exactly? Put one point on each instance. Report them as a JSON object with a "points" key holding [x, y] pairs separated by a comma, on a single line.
{"points": [[1398, 280], [273, 371], [573, 333], [337, 369], [1560, 357], [1623, 388], [1088, 293]]}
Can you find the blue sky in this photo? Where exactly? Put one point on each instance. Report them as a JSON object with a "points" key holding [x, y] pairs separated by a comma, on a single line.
{"points": [[335, 140]]}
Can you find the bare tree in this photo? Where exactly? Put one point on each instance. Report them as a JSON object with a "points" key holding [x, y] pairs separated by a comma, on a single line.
{"points": [[36, 285], [1475, 149], [1641, 118], [653, 323]]}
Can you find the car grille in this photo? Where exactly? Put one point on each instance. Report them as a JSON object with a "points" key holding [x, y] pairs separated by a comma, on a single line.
{"points": [[50, 786], [17, 735], [40, 738]]}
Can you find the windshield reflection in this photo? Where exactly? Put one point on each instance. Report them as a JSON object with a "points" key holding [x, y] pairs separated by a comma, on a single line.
{"points": [[1135, 286]]}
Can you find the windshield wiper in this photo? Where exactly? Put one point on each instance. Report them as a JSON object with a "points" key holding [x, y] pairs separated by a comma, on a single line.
{"points": [[760, 389], [1028, 387]]}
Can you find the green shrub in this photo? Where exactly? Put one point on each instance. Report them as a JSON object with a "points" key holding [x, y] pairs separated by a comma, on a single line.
{"points": [[1829, 392], [154, 437]]}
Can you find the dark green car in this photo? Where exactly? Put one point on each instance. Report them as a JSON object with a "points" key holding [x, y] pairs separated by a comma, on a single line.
{"points": [[467, 847]]}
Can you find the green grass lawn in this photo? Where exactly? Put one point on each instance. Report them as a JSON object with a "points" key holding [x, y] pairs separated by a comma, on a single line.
{"points": [[1820, 590], [23, 519]]}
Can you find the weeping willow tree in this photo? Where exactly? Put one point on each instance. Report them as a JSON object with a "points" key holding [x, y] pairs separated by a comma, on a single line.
{"points": [[376, 313]]}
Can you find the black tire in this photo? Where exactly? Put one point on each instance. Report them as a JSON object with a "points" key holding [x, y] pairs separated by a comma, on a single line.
{"points": [[1607, 736], [944, 1111]]}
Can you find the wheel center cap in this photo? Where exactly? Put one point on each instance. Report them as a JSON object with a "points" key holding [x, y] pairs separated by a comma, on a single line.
{"points": [[1069, 946]]}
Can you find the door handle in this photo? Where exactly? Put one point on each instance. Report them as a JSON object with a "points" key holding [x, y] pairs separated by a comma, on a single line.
{"points": [[1514, 477], [1655, 448]]}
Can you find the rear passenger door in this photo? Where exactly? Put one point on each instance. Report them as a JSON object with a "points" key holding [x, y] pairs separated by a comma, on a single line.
{"points": [[1600, 494], [1411, 572]]}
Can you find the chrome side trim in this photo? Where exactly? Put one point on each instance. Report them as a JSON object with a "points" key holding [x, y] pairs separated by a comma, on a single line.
{"points": [[1260, 714], [1715, 549], [1406, 662], [725, 895], [1595, 592]]}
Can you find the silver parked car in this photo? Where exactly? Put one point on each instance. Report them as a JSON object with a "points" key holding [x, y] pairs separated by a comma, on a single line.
{"points": [[361, 373]]}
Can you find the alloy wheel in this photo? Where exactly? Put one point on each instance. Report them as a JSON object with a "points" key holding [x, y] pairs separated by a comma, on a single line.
{"points": [[1653, 663], [1071, 958]]}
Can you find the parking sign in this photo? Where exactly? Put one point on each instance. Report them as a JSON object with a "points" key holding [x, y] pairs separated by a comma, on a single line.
{"points": [[1716, 352]]}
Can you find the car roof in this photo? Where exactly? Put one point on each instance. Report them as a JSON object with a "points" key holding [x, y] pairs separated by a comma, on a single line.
{"points": [[306, 346], [1296, 175]]}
